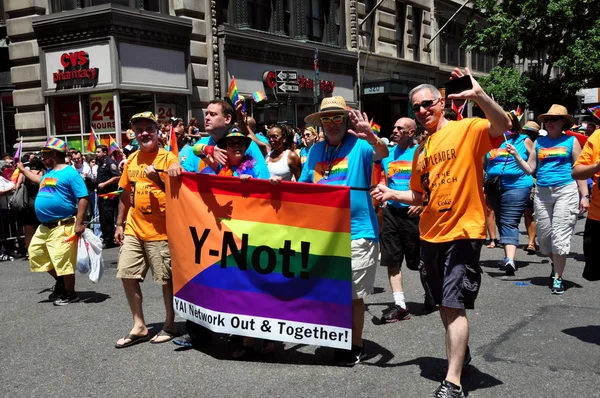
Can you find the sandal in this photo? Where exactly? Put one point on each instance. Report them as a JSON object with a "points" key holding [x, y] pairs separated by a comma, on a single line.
{"points": [[133, 339], [163, 333], [531, 249], [493, 243]]}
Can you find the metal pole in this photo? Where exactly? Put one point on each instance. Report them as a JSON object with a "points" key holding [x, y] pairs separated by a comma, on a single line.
{"points": [[316, 87], [447, 22], [360, 24]]}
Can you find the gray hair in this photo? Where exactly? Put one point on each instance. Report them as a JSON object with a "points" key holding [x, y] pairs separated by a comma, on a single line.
{"points": [[432, 89]]}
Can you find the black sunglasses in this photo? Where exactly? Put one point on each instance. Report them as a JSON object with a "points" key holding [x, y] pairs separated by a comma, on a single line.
{"points": [[553, 119], [425, 104]]}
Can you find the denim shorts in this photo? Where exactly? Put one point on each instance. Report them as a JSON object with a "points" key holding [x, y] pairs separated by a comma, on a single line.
{"points": [[509, 206]]}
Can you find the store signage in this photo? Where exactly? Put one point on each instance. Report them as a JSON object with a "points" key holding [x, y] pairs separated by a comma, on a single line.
{"points": [[76, 71], [380, 89], [69, 112], [164, 112], [102, 112], [286, 81]]}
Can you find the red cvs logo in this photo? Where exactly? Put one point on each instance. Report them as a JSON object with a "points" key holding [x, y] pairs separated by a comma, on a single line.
{"points": [[77, 58]]}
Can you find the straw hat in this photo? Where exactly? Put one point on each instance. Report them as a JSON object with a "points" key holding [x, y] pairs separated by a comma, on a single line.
{"points": [[329, 105], [557, 110], [531, 126]]}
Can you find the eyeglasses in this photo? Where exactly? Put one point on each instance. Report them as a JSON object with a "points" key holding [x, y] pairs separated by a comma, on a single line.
{"points": [[425, 104], [327, 120], [399, 128], [307, 135], [552, 119]]}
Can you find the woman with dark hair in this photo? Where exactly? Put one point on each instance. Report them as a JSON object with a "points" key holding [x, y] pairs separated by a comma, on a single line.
{"points": [[27, 217], [283, 163], [508, 189], [193, 132], [557, 200]]}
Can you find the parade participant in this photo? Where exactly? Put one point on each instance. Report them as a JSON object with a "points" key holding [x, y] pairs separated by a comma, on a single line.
{"points": [[107, 179], [588, 166], [309, 138], [400, 234], [27, 217], [60, 206], [557, 200], [193, 132], [447, 179], [509, 200], [282, 162], [530, 129], [346, 158], [143, 240], [590, 128], [259, 139]]}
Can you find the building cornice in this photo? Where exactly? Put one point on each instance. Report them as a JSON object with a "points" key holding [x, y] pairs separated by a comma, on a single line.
{"points": [[254, 46], [127, 24]]}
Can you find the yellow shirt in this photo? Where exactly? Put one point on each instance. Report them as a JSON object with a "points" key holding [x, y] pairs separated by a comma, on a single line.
{"points": [[590, 154], [146, 218], [448, 171]]}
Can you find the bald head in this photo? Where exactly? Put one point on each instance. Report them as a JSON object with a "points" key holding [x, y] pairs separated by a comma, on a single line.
{"points": [[404, 131], [251, 123]]}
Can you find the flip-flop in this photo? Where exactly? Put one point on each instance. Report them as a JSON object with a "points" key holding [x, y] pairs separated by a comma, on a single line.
{"points": [[162, 333], [133, 339], [530, 249]]}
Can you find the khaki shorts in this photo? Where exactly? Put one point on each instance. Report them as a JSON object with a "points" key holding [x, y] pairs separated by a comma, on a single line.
{"points": [[364, 260], [48, 250], [136, 256]]}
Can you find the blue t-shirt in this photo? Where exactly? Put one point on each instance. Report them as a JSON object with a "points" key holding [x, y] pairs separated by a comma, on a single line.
{"points": [[398, 167], [59, 194], [349, 164], [192, 163], [501, 163], [262, 138], [185, 153], [555, 160], [304, 151]]}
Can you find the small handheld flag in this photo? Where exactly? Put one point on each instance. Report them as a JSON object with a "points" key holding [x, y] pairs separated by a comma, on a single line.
{"points": [[259, 96], [458, 110], [19, 150], [233, 92], [173, 142], [113, 146], [375, 127], [92, 143], [595, 111]]}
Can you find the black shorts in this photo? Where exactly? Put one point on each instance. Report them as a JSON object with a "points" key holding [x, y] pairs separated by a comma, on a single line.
{"points": [[399, 238], [591, 241], [452, 271]]}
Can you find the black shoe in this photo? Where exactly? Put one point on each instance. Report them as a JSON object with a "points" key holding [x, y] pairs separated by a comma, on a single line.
{"points": [[193, 340], [349, 358], [395, 314], [57, 291], [448, 390], [67, 298], [429, 302], [186, 340], [441, 375]]}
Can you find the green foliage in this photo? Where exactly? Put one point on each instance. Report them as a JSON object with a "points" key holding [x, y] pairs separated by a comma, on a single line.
{"points": [[560, 34], [507, 86]]}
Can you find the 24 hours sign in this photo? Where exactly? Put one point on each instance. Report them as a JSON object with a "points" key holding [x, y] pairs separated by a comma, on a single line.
{"points": [[102, 112]]}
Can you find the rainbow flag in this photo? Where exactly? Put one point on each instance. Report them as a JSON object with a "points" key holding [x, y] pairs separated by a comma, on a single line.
{"points": [[375, 127], [233, 92], [173, 147], [259, 96], [110, 195], [19, 151], [458, 110], [92, 142], [112, 145], [595, 111], [245, 264]]}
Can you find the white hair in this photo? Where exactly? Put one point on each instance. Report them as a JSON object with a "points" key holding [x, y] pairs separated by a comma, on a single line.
{"points": [[432, 89]]}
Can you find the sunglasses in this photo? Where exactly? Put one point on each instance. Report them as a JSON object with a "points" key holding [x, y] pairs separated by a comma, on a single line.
{"points": [[425, 104], [327, 120], [308, 135], [233, 143], [399, 128], [553, 119]]}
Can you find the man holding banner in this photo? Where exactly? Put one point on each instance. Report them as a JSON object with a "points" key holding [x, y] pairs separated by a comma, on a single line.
{"points": [[346, 158], [144, 239]]}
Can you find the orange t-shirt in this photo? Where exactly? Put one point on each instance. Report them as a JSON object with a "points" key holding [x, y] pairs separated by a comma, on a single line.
{"points": [[146, 218], [590, 154], [448, 172]]}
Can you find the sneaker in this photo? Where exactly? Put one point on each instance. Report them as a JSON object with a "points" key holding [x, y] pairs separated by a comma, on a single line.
{"points": [[441, 375], [557, 286], [186, 340], [57, 291], [349, 358], [429, 302], [67, 298], [509, 267], [448, 390], [395, 314]]}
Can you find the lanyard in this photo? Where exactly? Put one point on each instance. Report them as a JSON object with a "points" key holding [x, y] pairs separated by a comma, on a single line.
{"points": [[330, 159]]}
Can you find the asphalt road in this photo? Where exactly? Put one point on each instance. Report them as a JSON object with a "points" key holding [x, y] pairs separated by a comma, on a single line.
{"points": [[525, 342]]}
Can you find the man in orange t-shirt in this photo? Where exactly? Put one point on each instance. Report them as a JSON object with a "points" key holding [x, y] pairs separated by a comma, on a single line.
{"points": [[588, 166], [144, 240], [447, 180]]}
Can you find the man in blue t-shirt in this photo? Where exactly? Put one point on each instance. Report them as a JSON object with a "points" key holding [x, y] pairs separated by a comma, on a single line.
{"points": [[60, 205], [346, 158], [400, 233]]}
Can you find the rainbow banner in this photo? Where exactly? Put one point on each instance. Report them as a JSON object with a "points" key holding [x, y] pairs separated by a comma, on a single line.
{"points": [[244, 263], [110, 195]]}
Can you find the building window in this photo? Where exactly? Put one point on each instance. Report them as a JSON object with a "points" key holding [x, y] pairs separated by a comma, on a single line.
{"points": [[400, 27], [149, 5], [417, 17], [483, 62], [315, 18], [450, 40], [259, 14]]}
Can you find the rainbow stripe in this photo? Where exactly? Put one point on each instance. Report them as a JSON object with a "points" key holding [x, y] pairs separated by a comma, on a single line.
{"points": [[110, 195], [48, 185], [399, 171], [259, 96], [92, 142], [112, 146], [556, 154], [231, 278], [499, 155], [338, 174], [233, 92], [595, 111], [375, 127]]}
